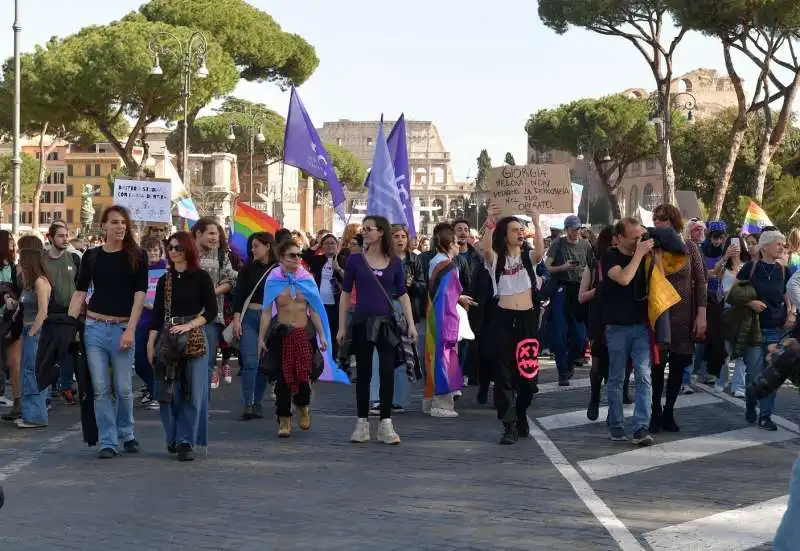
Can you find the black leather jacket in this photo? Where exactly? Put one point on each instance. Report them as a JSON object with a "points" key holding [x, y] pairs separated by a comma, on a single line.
{"points": [[416, 286]]}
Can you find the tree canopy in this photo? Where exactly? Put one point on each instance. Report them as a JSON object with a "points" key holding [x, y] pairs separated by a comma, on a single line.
{"points": [[484, 166], [261, 49], [29, 175], [614, 126], [509, 160]]}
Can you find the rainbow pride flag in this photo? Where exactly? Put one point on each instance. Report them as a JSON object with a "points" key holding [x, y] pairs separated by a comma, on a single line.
{"points": [[247, 221], [443, 373], [755, 219]]}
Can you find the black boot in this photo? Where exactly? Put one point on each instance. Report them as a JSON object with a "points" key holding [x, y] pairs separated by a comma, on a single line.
{"points": [[656, 418], [523, 430], [510, 435], [668, 421], [593, 411]]}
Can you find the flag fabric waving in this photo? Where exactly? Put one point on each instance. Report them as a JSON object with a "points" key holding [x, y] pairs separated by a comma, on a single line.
{"points": [[398, 150], [247, 221], [755, 219], [383, 198], [302, 148], [184, 203]]}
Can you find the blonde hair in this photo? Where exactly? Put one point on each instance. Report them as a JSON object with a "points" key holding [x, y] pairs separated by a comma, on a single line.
{"points": [[794, 240]]}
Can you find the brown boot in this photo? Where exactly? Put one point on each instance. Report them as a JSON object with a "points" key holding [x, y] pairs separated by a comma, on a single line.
{"points": [[305, 418], [284, 427]]}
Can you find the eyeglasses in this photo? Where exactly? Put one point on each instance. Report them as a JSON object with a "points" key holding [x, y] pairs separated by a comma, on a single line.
{"points": [[176, 248], [660, 218], [367, 229], [293, 256]]}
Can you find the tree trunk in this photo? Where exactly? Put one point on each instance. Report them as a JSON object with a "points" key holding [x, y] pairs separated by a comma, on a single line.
{"points": [[37, 191], [737, 137], [764, 158]]}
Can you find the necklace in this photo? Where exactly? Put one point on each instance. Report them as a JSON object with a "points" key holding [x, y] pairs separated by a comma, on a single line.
{"points": [[771, 272]]}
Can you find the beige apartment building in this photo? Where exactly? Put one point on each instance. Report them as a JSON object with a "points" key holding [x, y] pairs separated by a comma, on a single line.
{"points": [[642, 184]]}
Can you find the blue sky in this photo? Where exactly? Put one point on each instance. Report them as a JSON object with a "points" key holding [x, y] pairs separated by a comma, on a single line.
{"points": [[476, 69]]}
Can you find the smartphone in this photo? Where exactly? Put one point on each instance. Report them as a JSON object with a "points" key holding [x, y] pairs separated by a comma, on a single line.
{"points": [[735, 242]]}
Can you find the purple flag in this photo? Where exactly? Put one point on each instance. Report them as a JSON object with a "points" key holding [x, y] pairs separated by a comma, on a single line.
{"points": [[383, 198], [303, 149], [398, 149]]}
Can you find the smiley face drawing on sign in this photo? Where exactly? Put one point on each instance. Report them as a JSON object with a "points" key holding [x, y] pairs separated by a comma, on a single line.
{"points": [[527, 356]]}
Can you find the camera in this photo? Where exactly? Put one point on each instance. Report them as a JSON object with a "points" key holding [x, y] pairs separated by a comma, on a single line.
{"points": [[784, 364]]}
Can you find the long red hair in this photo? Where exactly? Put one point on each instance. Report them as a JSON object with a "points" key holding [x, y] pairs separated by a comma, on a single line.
{"points": [[186, 241]]}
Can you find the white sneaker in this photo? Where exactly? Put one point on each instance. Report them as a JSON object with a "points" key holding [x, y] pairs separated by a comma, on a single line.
{"points": [[441, 412], [739, 394], [386, 433], [6, 402], [361, 434], [719, 387]]}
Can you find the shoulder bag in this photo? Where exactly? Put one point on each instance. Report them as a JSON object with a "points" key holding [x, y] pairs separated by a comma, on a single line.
{"points": [[227, 333], [196, 346]]}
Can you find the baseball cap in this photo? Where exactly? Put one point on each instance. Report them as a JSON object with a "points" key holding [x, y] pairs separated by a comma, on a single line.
{"points": [[572, 222]]}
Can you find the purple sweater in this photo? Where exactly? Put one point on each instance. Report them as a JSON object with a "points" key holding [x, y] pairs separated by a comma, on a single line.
{"points": [[371, 300]]}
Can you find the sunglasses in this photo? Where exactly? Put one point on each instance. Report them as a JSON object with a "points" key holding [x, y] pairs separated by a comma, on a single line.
{"points": [[176, 248], [293, 256]]}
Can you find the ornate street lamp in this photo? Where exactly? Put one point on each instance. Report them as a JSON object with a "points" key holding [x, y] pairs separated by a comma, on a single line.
{"points": [[253, 121], [194, 49]]}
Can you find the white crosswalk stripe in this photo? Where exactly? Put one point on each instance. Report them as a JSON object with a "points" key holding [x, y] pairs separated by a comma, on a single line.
{"points": [[746, 525]]}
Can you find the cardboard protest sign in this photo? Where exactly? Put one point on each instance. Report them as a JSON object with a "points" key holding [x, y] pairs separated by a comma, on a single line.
{"points": [[146, 200], [545, 189]]}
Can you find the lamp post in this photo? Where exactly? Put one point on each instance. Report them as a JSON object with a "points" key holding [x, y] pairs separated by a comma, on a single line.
{"points": [[253, 120], [186, 53], [684, 101], [16, 160]]}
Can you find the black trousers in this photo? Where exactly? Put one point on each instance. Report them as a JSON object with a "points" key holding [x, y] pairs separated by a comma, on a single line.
{"points": [[387, 359], [677, 362], [284, 397], [332, 310], [517, 349]]}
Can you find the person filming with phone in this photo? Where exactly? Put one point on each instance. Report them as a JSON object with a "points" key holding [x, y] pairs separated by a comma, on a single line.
{"points": [[566, 259]]}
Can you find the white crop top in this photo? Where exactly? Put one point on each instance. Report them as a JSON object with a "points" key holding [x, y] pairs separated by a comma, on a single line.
{"points": [[514, 278]]}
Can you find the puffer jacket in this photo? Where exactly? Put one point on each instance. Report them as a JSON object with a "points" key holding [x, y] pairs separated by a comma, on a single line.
{"points": [[742, 324]]}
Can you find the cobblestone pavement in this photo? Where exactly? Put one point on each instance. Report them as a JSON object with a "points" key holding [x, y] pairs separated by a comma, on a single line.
{"points": [[447, 486]]}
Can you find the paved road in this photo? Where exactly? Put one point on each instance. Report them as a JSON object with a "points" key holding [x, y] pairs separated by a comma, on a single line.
{"points": [[447, 486]]}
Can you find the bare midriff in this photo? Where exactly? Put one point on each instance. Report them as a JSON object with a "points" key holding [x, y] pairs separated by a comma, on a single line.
{"points": [[292, 311], [518, 301]]}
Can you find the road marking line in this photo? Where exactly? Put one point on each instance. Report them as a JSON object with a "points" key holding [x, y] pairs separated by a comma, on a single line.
{"points": [[578, 418], [679, 451], [616, 529], [743, 528], [777, 419], [26, 460], [546, 388]]}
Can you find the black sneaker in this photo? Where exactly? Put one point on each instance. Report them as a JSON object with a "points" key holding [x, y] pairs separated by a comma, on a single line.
{"points": [[172, 447], [131, 446], [247, 414], [510, 435], [107, 453], [185, 452], [483, 395], [258, 411], [767, 423], [563, 381], [642, 438], [750, 414], [593, 411], [397, 408]]}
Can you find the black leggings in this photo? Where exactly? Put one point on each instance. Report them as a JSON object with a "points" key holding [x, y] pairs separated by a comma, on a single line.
{"points": [[677, 362], [362, 349]]}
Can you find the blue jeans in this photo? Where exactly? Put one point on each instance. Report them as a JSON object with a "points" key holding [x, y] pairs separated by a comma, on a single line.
{"points": [[699, 366], [568, 335], [737, 381], [254, 383], [32, 405], [140, 362], [628, 342], [110, 369], [211, 331], [400, 383], [754, 359], [181, 419], [787, 538]]}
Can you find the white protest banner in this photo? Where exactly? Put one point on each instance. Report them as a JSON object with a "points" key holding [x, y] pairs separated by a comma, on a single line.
{"points": [[545, 189], [146, 200]]}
